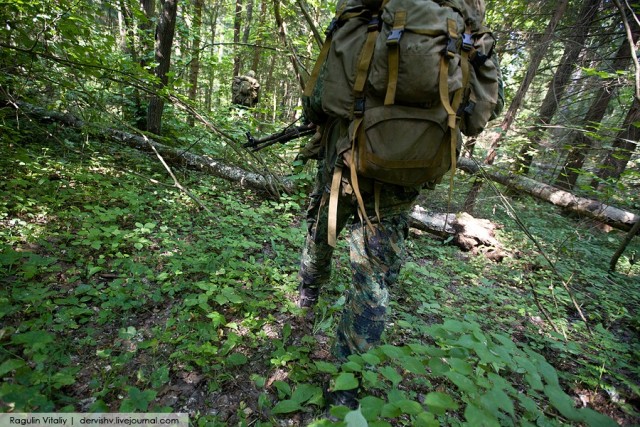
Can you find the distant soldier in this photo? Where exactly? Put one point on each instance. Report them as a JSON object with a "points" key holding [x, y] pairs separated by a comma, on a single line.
{"points": [[245, 90]]}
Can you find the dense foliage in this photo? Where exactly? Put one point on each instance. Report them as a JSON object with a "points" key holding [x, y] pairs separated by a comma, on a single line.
{"points": [[126, 288], [120, 293]]}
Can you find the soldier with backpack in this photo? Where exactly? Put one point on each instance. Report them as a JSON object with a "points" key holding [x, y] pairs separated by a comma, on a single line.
{"points": [[394, 86], [245, 90]]}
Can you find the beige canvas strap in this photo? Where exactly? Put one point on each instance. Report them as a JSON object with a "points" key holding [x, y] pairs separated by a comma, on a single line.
{"points": [[393, 47], [315, 73], [377, 190], [358, 133], [333, 205], [365, 61]]}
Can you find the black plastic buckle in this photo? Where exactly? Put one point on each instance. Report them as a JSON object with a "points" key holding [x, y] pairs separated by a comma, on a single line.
{"points": [[478, 60], [358, 107], [333, 25], [452, 47], [468, 109], [373, 25], [394, 37], [467, 42]]}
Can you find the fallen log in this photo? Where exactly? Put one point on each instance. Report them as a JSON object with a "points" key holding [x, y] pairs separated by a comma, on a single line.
{"points": [[590, 208], [466, 232], [206, 164], [173, 156]]}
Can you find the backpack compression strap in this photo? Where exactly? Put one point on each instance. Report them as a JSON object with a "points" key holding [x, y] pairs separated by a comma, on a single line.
{"points": [[399, 22]]}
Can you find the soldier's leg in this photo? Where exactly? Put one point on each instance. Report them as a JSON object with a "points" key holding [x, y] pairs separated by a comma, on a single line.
{"points": [[376, 259], [315, 263]]}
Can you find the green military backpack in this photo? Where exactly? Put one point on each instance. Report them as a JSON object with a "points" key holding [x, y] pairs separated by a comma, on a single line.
{"points": [[408, 75]]}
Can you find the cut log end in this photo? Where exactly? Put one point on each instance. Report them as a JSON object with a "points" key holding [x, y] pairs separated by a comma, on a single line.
{"points": [[466, 232]]}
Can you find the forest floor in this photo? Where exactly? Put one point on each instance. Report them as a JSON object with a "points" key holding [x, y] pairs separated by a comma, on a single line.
{"points": [[120, 293]]}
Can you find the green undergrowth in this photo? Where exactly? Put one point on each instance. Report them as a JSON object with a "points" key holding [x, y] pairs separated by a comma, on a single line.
{"points": [[121, 293]]}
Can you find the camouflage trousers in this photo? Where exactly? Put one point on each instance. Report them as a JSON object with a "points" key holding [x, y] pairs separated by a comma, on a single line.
{"points": [[376, 256]]}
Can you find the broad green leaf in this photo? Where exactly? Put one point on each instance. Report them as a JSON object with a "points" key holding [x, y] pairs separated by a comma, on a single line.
{"points": [[345, 381], [355, 419], [413, 365], [408, 406], [391, 374], [496, 400], [351, 367], [477, 417], [371, 359], [34, 339], [339, 411], [534, 381], [286, 406], [529, 405], [305, 392], [371, 406], [390, 410], [236, 359], [463, 382], [94, 270], [327, 367], [392, 351], [596, 419], [10, 365], [282, 387], [461, 366], [425, 419], [505, 341], [562, 402], [438, 367], [371, 378], [438, 402], [548, 372], [454, 326]]}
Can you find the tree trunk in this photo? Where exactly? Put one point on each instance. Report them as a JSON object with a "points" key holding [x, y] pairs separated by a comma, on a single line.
{"points": [[312, 24], [164, 42], [257, 51], [146, 27], [558, 85], [194, 66], [623, 246], [536, 57], [248, 22], [282, 31], [128, 46], [496, 138], [237, 25], [581, 143], [212, 53], [623, 147]]}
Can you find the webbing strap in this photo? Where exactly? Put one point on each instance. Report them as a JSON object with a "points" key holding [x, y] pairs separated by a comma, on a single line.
{"points": [[364, 61], [313, 79], [357, 129], [333, 206], [452, 119], [444, 92], [377, 190], [393, 45]]}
